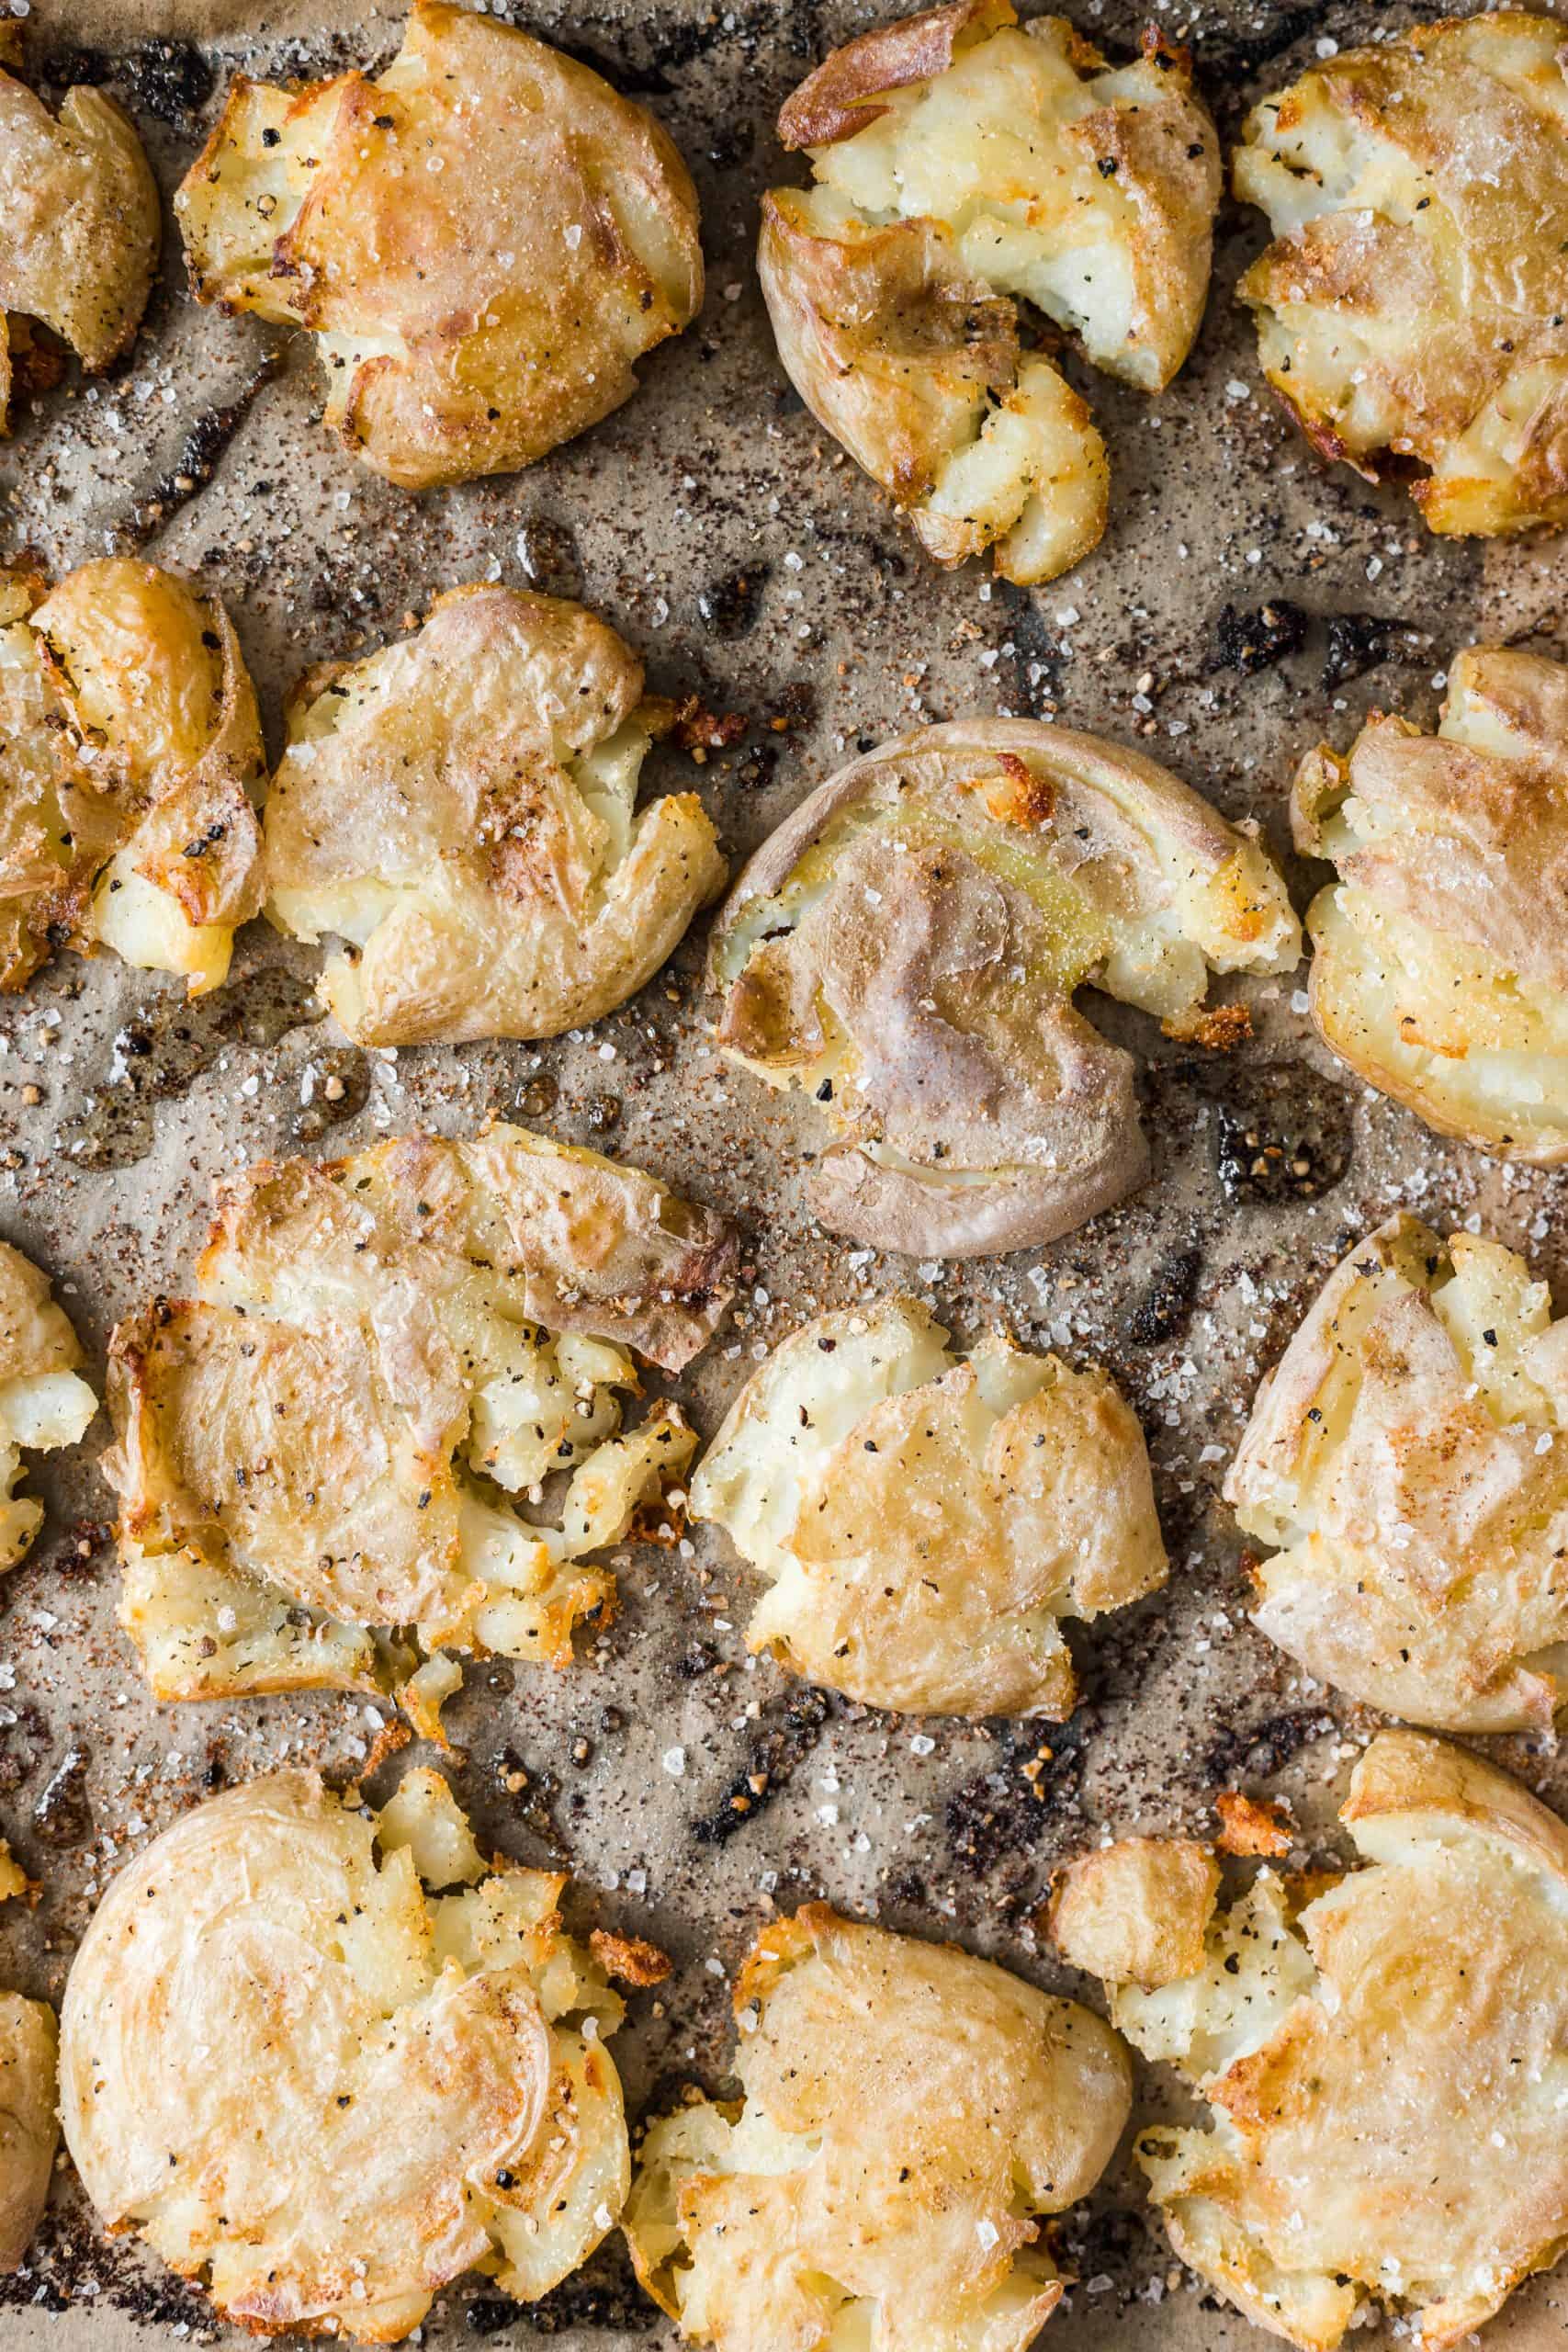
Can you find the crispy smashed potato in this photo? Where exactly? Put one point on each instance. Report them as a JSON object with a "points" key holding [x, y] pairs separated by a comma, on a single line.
{"points": [[80, 229], [317, 1455], [1387, 2067], [1409, 1458], [909, 2113], [44, 1402], [1441, 967], [311, 2079], [1413, 312], [28, 2095], [907, 946], [924, 1524], [965, 165], [460, 806], [130, 749], [485, 239]]}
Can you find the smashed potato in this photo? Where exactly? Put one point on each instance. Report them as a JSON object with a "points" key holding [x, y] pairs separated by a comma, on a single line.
{"points": [[44, 1402], [1413, 312], [316, 1455], [130, 749], [308, 2076], [907, 946], [484, 240], [1440, 971], [965, 165], [1387, 2067], [460, 807], [79, 228], [924, 1524], [909, 2113], [29, 2094], [1409, 1458]]}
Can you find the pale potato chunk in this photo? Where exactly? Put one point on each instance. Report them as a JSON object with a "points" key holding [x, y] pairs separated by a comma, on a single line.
{"points": [[44, 1402]]}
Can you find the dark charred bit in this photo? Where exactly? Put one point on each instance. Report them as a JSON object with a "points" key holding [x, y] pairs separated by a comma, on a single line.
{"points": [[63, 1815], [1282, 1135], [1357, 642], [1256, 640], [1166, 1307], [549, 557], [787, 1732], [730, 607], [202, 447], [1258, 1751], [533, 1797], [756, 767], [996, 1821], [697, 1659]]}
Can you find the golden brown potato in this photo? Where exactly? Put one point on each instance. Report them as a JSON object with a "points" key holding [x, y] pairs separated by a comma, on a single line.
{"points": [[906, 947], [1441, 967], [925, 1523], [460, 807], [43, 1401], [311, 2079], [963, 164], [314, 1454], [129, 747], [27, 2126], [485, 239], [909, 2114], [1413, 311], [1388, 2066], [1409, 1457], [79, 228]]}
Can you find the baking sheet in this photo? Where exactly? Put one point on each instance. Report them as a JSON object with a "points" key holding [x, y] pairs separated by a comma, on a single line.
{"points": [[717, 527]]}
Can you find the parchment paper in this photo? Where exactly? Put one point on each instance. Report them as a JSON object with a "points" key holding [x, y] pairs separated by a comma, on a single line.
{"points": [[717, 527]]}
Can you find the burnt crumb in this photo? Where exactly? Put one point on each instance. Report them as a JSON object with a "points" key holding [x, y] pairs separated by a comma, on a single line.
{"points": [[534, 1796], [1253, 641], [1357, 642], [787, 1732], [1282, 1135], [697, 1659], [755, 770], [1166, 1307], [63, 1815], [1262, 1749], [25, 1741], [549, 557], [996, 1821], [730, 605], [170, 79], [796, 707], [203, 446]]}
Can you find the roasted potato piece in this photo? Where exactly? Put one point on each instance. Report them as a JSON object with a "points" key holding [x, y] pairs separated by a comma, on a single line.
{"points": [[29, 2093], [314, 1454], [485, 239], [965, 165], [130, 748], [906, 947], [1408, 1457], [1413, 312], [909, 2113], [1441, 967], [925, 1523], [310, 2078], [1388, 2066], [79, 228], [44, 1403], [460, 807]]}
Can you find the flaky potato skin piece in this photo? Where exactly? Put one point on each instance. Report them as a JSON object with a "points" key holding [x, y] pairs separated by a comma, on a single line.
{"points": [[486, 238], [44, 1402], [909, 2114], [1408, 1456], [459, 806], [130, 749], [1389, 2063], [911, 939], [962, 163], [1414, 309], [925, 1522], [80, 227], [1441, 963], [314, 1455], [312, 2081]]}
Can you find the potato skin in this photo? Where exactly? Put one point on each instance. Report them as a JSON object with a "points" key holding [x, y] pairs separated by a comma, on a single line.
{"points": [[485, 237], [1419, 312]]}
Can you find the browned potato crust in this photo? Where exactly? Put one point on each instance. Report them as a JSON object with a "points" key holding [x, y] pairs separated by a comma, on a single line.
{"points": [[910, 2115], [907, 946], [460, 806], [486, 238], [1413, 312], [961, 164]]}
